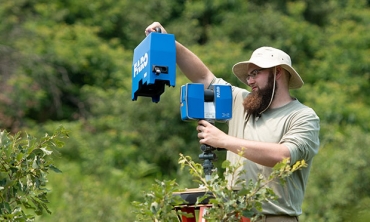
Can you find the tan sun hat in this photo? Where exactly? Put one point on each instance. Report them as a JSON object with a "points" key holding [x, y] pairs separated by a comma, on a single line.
{"points": [[267, 57]]}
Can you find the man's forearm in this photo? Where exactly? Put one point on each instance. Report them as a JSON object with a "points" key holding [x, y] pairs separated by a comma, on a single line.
{"points": [[267, 154], [194, 69]]}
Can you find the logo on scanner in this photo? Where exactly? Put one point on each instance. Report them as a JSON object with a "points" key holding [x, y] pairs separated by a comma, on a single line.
{"points": [[218, 92], [140, 64]]}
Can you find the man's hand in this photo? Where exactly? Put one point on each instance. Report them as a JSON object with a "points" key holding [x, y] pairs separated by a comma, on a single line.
{"points": [[211, 135], [152, 28]]}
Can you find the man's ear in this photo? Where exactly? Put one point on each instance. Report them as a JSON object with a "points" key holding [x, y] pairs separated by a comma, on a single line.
{"points": [[279, 72]]}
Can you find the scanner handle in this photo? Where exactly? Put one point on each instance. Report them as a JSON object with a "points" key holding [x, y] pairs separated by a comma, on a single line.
{"points": [[158, 29]]}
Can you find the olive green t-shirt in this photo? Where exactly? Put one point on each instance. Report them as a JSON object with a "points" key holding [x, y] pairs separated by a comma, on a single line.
{"points": [[294, 125]]}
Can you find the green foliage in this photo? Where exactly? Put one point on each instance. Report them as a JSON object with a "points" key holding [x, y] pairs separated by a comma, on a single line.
{"points": [[24, 167], [230, 199], [159, 202]]}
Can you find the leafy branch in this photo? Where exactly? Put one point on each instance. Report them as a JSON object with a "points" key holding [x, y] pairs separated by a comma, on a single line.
{"points": [[230, 196], [24, 165], [159, 203]]}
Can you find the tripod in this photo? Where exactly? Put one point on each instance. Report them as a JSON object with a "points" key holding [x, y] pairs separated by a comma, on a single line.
{"points": [[208, 156]]}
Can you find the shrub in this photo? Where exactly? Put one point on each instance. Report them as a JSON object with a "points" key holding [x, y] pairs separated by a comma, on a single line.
{"points": [[24, 165]]}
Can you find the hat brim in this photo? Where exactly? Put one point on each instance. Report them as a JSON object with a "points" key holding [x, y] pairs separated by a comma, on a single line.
{"points": [[240, 70]]}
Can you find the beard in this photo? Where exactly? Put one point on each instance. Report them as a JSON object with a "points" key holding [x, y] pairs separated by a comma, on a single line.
{"points": [[257, 101]]}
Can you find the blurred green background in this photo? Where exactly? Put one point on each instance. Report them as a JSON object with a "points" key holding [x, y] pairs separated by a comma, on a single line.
{"points": [[67, 62]]}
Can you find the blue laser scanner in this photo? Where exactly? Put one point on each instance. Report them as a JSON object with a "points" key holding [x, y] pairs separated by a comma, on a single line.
{"points": [[154, 66], [211, 104]]}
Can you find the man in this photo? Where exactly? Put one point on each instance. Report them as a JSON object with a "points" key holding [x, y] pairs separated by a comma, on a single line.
{"points": [[268, 123]]}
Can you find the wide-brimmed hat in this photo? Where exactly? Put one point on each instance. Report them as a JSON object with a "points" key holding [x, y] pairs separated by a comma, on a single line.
{"points": [[267, 57]]}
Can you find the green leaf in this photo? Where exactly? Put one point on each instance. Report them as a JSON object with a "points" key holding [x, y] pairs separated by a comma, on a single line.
{"points": [[46, 152], [225, 164], [248, 213], [55, 169], [35, 164]]}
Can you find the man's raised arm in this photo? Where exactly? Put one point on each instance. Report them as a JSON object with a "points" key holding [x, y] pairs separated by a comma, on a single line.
{"points": [[189, 63]]}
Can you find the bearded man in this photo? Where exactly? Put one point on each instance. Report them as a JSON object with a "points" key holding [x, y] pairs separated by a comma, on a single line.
{"points": [[268, 124]]}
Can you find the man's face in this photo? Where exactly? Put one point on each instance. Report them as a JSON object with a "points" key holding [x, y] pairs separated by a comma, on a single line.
{"points": [[261, 90]]}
